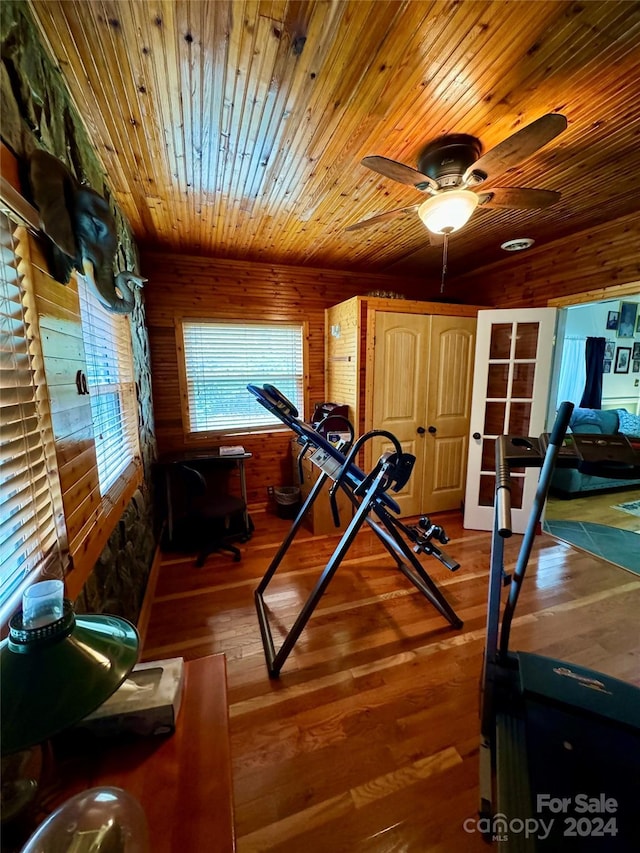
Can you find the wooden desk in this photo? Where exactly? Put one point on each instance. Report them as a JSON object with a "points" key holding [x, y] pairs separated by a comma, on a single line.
{"points": [[183, 781], [205, 457]]}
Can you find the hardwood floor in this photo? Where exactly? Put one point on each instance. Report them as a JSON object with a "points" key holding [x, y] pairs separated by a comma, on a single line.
{"points": [[368, 742], [598, 509]]}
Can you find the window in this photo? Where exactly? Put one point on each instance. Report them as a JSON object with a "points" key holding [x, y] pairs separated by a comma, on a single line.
{"points": [[32, 534], [222, 357], [107, 345]]}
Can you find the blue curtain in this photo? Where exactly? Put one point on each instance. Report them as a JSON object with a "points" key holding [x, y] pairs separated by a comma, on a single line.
{"points": [[594, 356]]}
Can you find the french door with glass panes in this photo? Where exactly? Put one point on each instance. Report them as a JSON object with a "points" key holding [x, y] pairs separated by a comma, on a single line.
{"points": [[514, 354]]}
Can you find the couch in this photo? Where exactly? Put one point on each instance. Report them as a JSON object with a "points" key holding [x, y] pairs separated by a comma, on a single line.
{"points": [[570, 483]]}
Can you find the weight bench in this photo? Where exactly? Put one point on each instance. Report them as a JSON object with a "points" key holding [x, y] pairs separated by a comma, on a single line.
{"points": [[372, 505]]}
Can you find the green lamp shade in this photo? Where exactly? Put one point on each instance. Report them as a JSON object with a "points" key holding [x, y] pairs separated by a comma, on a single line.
{"points": [[53, 676]]}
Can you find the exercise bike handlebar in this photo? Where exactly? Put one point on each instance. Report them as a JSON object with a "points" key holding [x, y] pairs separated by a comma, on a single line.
{"points": [[558, 432], [503, 475], [354, 451], [561, 424], [503, 490]]}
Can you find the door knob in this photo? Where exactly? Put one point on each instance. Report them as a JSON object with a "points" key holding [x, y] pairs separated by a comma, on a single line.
{"points": [[477, 436], [421, 430], [432, 430]]}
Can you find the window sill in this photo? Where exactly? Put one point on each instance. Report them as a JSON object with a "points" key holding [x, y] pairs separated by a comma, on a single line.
{"points": [[200, 438]]}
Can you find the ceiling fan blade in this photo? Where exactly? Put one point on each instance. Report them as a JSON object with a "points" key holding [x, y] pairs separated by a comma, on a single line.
{"points": [[520, 198], [517, 147], [382, 217], [399, 172]]}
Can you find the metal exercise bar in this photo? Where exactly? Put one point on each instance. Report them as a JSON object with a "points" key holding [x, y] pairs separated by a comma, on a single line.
{"points": [[419, 578], [495, 661], [276, 660], [367, 493], [548, 465], [315, 491]]}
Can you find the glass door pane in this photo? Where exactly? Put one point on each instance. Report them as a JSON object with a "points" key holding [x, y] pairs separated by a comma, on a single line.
{"points": [[513, 363]]}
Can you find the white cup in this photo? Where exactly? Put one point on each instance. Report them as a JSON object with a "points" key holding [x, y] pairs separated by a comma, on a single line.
{"points": [[42, 603]]}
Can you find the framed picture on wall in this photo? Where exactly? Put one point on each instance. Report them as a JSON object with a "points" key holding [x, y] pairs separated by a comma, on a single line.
{"points": [[623, 357], [610, 349], [636, 350], [638, 324], [606, 365], [636, 365], [627, 319], [612, 319]]}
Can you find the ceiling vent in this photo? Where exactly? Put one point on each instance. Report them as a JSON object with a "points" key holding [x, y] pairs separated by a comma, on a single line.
{"points": [[517, 245]]}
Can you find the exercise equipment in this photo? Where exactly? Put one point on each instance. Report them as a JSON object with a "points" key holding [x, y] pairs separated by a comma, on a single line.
{"points": [[560, 743], [368, 495]]}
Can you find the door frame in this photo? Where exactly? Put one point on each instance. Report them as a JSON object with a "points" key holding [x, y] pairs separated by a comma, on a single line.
{"points": [[602, 294], [573, 300]]}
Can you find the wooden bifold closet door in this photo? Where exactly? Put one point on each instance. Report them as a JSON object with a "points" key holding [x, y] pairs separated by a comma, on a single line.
{"points": [[423, 370]]}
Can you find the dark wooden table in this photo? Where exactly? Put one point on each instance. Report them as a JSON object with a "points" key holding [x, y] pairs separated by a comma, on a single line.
{"points": [[197, 458], [183, 780]]}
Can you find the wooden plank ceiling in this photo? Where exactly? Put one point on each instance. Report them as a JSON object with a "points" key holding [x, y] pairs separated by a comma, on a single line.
{"points": [[236, 129]]}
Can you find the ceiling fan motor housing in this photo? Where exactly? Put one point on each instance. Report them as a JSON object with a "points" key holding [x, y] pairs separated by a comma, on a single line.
{"points": [[447, 158]]}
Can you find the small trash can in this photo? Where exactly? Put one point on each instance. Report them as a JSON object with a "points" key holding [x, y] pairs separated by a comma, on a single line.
{"points": [[287, 501]]}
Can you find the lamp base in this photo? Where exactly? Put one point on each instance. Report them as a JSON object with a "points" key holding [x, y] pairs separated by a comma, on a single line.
{"points": [[21, 774]]}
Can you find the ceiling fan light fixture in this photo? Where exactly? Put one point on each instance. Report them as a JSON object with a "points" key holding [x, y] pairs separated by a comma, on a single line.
{"points": [[448, 211]]}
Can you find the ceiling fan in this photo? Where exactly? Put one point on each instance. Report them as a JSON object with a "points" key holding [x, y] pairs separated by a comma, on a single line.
{"points": [[452, 169]]}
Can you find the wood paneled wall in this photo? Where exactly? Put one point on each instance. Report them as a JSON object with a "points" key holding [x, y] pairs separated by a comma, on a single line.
{"points": [[342, 368], [88, 518], [188, 286], [595, 259], [63, 352], [196, 286]]}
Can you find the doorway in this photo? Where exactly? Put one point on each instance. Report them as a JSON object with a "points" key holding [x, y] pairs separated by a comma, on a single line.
{"points": [[598, 315]]}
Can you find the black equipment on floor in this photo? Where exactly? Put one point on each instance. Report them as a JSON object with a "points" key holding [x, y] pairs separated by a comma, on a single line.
{"points": [[214, 517], [203, 514], [329, 416], [368, 495], [560, 743]]}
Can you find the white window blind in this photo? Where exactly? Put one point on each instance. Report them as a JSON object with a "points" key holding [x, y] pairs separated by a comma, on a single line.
{"points": [[222, 357], [32, 531], [110, 379]]}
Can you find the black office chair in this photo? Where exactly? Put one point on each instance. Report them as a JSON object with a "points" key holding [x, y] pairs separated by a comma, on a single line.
{"points": [[213, 519]]}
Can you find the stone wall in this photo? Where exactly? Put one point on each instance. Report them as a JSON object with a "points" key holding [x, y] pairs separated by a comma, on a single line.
{"points": [[117, 582], [36, 112]]}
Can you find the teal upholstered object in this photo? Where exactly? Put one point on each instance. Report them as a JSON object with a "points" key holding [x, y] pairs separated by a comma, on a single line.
{"points": [[627, 423], [569, 483], [594, 421]]}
